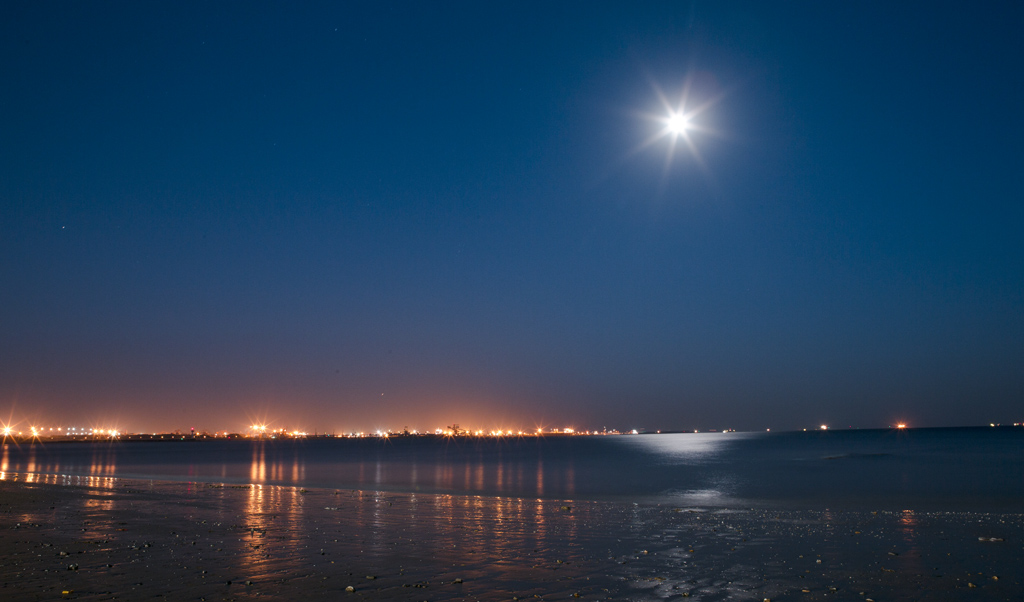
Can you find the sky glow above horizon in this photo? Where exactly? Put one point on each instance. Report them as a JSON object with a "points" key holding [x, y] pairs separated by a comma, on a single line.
{"points": [[378, 215]]}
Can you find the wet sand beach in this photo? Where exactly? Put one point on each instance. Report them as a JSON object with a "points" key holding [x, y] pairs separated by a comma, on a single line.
{"points": [[99, 538]]}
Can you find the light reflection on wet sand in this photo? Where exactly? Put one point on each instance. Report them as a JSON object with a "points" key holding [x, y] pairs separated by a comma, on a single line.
{"points": [[152, 539], [275, 463], [102, 462]]}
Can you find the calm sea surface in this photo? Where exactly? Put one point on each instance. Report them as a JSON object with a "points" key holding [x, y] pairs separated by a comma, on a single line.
{"points": [[955, 469]]}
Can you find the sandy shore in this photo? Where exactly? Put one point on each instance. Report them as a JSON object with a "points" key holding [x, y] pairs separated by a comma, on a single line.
{"points": [[93, 538]]}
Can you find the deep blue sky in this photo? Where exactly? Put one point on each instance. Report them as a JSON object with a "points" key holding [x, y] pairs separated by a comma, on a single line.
{"points": [[351, 216]]}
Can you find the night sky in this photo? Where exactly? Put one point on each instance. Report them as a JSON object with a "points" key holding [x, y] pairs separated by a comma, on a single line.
{"points": [[350, 216]]}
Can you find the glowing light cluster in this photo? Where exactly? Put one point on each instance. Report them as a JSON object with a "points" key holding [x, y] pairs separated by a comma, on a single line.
{"points": [[56, 432], [262, 430]]}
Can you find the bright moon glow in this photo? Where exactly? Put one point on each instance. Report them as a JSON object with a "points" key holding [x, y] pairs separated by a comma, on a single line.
{"points": [[678, 123]]}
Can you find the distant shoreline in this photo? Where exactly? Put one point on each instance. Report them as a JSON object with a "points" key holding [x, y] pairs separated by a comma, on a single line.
{"points": [[200, 437]]}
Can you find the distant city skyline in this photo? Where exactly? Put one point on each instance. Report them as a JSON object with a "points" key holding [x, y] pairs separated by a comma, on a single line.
{"points": [[30, 428]]}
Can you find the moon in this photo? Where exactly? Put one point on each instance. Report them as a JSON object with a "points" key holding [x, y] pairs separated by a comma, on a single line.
{"points": [[678, 123]]}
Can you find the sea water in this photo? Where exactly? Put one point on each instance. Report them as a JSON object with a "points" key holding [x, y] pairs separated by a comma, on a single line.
{"points": [[939, 469]]}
